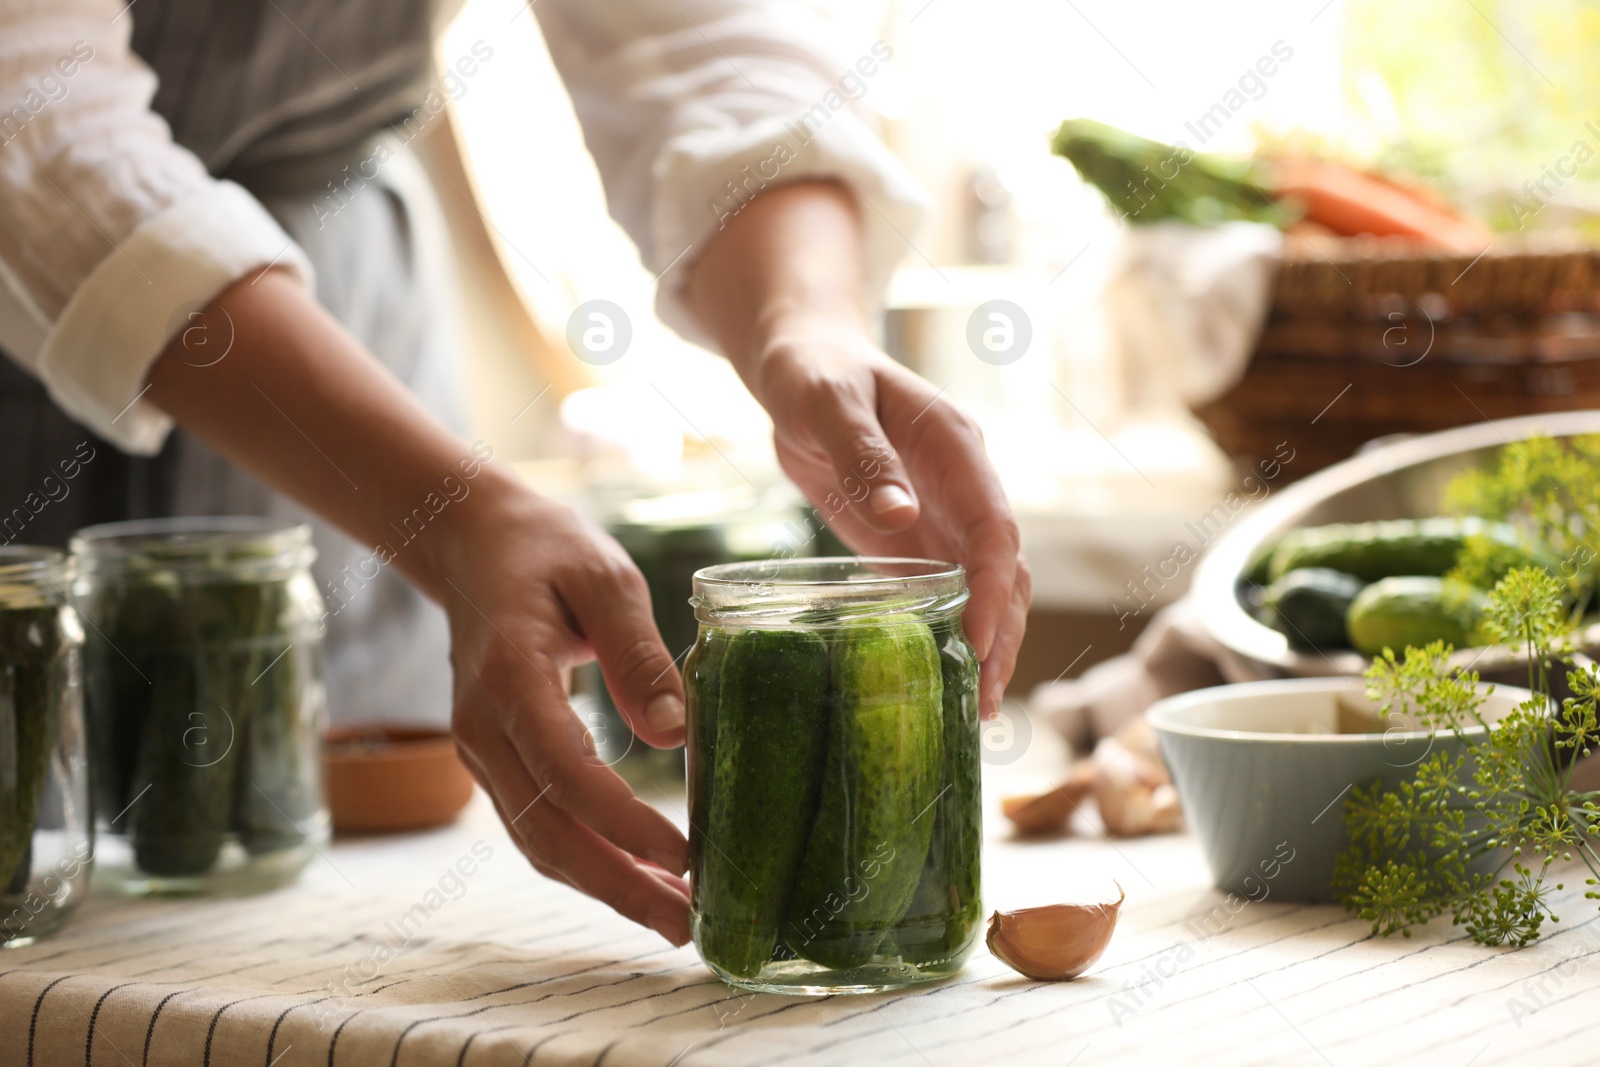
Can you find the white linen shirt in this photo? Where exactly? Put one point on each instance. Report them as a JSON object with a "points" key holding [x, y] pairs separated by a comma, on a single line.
{"points": [[113, 220]]}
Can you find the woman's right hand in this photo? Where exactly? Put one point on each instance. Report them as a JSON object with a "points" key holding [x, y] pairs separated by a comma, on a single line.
{"points": [[533, 589]]}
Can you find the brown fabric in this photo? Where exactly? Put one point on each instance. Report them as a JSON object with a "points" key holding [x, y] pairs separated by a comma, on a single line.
{"points": [[1172, 655]]}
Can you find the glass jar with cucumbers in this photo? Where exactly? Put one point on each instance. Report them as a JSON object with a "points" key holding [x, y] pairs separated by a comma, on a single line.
{"points": [[833, 763], [46, 837], [203, 688]]}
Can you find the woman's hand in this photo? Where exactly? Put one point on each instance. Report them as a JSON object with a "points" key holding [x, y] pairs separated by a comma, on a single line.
{"points": [[531, 588], [893, 467], [898, 470], [535, 590]]}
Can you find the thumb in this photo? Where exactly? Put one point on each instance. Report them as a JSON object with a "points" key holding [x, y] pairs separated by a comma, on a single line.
{"points": [[869, 471], [614, 615]]}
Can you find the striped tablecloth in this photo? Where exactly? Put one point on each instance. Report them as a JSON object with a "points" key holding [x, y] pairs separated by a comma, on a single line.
{"points": [[385, 953]]}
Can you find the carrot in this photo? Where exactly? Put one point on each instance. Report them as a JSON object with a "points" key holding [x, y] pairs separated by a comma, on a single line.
{"points": [[1350, 202]]}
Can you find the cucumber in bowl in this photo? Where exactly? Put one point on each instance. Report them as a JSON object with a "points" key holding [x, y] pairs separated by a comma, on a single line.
{"points": [[1371, 585]]}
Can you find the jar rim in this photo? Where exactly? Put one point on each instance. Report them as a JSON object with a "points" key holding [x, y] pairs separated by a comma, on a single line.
{"points": [[196, 542], [855, 572], [826, 591], [33, 565]]}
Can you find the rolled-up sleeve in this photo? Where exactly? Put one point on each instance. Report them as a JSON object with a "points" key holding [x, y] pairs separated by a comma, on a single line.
{"points": [[692, 107], [108, 230]]}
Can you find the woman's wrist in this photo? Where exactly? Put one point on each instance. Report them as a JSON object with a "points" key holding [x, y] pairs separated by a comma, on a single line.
{"points": [[789, 264], [786, 338], [472, 527]]}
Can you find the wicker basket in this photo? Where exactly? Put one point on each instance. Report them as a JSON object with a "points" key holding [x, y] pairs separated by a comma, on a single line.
{"points": [[1363, 341]]}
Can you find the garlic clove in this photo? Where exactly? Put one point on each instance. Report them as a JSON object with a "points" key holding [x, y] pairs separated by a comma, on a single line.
{"points": [[1055, 942], [1047, 813], [1133, 792]]}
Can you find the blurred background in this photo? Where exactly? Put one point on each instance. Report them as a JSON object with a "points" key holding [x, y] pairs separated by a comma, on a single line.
{"points": [[1098, 445]]}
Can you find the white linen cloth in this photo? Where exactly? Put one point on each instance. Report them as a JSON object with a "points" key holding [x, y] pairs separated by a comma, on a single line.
{"points": [[443, 950], [1185, 305], [113, 217]]}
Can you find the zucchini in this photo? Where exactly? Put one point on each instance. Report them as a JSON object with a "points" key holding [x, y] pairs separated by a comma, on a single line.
{"points": [[867, 848], [1396, 547], [771, 725], [942, 920], [1309, 605], [1407, 612]]}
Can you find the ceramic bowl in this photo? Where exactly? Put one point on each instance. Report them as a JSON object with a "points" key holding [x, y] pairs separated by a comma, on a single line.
{"points": [[383, 778], [1406, 479], [1263, 772]]}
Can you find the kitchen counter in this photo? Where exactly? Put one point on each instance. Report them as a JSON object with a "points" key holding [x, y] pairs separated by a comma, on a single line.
{"points": [[379, 956]]}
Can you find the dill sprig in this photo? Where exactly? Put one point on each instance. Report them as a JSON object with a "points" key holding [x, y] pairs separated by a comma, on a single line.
{"points": [[1476, 830], [1549, 489]]}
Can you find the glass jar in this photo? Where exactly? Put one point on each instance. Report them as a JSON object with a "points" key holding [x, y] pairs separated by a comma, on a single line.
{"points": [[46, 835], [833, 761], [203, 686]]}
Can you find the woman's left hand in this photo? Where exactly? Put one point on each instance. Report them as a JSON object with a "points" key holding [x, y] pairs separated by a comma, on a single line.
{"points": [[896, 469], [891, 465]]}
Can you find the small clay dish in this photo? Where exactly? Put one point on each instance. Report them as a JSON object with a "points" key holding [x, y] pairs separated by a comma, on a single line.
{"points": [[383, 778]]}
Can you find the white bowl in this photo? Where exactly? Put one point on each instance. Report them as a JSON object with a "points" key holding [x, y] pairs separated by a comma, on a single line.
{"points": [[1263, 774]]}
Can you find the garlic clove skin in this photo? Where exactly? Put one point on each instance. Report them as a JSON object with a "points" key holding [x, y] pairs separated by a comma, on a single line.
{"points": [[1040, 814], [1056, 942], [1134, 793]]}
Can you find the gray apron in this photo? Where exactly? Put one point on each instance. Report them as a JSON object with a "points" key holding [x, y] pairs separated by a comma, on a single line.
{"points": [[382, 270], [244, 89]]}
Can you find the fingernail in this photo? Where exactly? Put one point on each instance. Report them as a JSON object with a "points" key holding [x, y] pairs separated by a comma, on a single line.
{"points": [[664, 713], [887, 498], [669, 927], [667, 860]]}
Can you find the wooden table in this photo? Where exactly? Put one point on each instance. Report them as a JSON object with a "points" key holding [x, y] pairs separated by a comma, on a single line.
{"points": [[378, 956]]}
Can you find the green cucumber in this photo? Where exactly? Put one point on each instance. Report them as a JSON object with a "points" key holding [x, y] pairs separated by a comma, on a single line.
{"points": [[1309, 605], [278, 786], [118, 690], [1396, 547], [1407, 612], [942, 920], [865, 856], [771, 726], [702, 678], [33, 673], [196, 725]]}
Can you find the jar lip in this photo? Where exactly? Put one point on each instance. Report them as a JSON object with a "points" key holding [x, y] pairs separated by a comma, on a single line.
{"points": [[205, 542], [863, 573], [32, 563]]}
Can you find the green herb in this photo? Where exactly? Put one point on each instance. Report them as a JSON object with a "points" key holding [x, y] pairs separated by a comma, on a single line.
{"points": [[1475, 833], [1550, 491], [33, 674]]}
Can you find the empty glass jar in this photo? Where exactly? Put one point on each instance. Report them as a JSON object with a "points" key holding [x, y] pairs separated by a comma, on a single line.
{"points": [[833, 758], [46, 836], [203, 684]]}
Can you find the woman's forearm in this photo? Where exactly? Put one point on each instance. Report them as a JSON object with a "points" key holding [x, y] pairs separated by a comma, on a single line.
{"points": [[297, 402], [792, 254]]}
